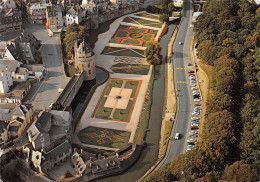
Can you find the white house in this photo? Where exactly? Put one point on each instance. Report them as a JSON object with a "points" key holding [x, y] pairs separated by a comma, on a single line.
{"points": [[73, 15], [178, 3], [6, 81]]}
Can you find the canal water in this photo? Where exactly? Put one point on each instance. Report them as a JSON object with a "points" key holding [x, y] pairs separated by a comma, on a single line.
{"points": [[149, 154]]}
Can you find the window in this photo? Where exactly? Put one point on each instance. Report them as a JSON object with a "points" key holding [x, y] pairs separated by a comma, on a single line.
{"points": [[19, 77], [88, 64], [89, 71]]}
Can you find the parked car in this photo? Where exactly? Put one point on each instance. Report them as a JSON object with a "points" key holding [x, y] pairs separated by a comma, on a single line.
{"points": [[194, 124], [191, 140], [196, 99], [197, 104], [192, 84], [195, 118], [190, 71], [194, 127], [193, 88], [192, 74], [196, 96], [192, 81], [197, 108], [195, 113]]}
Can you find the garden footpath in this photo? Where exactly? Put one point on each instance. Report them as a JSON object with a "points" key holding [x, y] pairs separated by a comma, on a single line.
{"points": [[111, 50]]}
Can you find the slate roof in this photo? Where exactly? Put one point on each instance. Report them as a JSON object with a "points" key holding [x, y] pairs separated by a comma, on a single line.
{"points": [[41, 123], [62, 148], [10, 64]]}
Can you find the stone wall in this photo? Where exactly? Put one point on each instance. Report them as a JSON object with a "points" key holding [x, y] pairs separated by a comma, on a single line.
{"points": [[71, 89]]}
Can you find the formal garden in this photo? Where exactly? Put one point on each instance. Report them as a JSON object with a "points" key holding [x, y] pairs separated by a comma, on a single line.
{"points": [[144, 22], [117, 51], [104, 137], [131, 68], [118, 100], [148, 15], [131, 35]]}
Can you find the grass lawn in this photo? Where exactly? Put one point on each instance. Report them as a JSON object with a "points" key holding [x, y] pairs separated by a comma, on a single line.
{"points": [[102, 111], [132, 85], [116, 51], [122, 114], [131, 68], [148, 15], [104, 137], [114, 83], [144, 22]]}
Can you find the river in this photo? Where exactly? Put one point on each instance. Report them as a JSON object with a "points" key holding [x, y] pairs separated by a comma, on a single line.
{"points": [[149, 154]]}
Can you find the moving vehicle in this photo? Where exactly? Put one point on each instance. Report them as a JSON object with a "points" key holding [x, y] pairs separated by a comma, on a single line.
{"points": [[177, 136]]}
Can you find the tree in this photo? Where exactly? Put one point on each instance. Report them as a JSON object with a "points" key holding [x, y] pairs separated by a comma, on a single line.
{"points": [[160, 176], [207, 51], [240, 172], [164, 18], [152, 53], [74, 32]]}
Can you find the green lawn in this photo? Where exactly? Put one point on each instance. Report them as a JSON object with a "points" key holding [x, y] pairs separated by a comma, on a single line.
{"points": [[146, 15], [144, 22], [122, 114], [116, 51], [104, 137], [114, 83], [132, 85], [131, 68], [102, 111], [131, 41], [137, 30]]}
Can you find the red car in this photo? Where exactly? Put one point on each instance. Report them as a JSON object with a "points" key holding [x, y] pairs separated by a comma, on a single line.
{"points": [[191, 74], [194, 127], [191, 71]]}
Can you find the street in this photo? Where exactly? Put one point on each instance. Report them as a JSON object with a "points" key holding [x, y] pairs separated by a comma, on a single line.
{"points": [[44, 93], [181, 58]]}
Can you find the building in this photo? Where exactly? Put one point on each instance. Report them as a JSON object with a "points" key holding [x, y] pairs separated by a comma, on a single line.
{"points": [[6, 81], [25, 49], [54, 19], [35, 12], [178, 3], [85, 59], [73, 15], [10, 21], [7, 4], [12, 129], [48, 140]]}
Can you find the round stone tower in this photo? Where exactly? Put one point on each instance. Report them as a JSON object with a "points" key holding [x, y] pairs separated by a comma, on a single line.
{"points": [[85, 59]]}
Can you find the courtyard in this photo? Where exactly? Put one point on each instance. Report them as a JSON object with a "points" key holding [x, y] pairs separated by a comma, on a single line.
{"points": [[118, 100]]}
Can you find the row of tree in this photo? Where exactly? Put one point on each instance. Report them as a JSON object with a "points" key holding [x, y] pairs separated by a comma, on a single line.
{"points": [[228, 35]]}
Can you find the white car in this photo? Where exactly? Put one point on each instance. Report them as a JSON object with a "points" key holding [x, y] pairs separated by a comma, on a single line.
{"points": [[191, 140], [180, 43], [192, 81], [196, 100], [196, 93], [192, 84], [193, 88], [194, 124], [195, 113], [192, 77], [194, 118]]}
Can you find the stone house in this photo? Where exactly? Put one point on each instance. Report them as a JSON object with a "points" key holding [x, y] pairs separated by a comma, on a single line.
{"points": [[73, 15], [10, 20], [54, 18], [35, 12], [6, 81], [12, 129], [48, 137], [85, 59]]}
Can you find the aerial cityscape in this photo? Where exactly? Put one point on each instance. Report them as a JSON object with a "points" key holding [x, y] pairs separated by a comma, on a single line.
{"points": [[129, 90]]}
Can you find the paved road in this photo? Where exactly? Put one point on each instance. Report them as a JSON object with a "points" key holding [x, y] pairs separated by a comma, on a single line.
{"points": [[181, 58], [45, 93]]}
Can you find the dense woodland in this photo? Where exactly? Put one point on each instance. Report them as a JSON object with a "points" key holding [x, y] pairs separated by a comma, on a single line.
{"points": [[228, 36]]}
